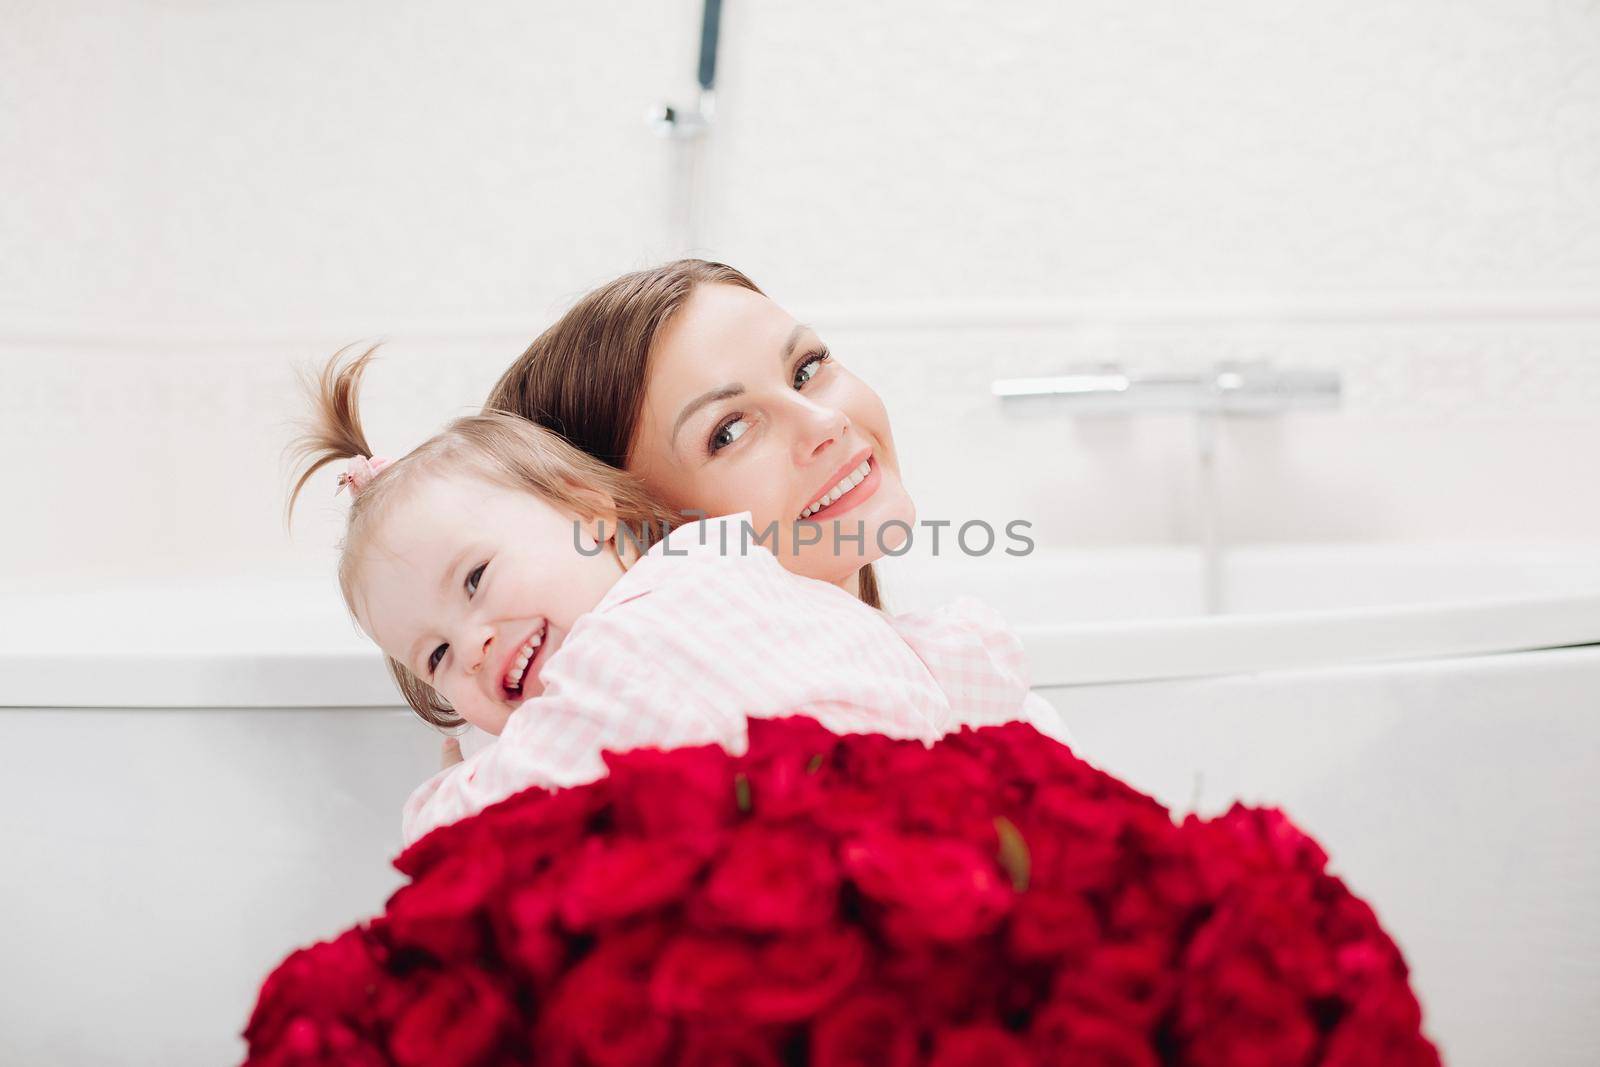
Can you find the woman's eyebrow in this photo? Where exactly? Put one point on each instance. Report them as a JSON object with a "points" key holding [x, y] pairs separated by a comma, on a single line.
{"points": [[793, 342], [731, 389], [735, 388]]}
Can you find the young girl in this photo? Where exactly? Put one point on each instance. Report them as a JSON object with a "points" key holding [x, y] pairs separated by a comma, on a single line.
{"points": [[494, 567]]}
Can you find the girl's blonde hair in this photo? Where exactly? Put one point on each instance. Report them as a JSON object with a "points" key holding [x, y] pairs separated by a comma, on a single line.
{"points": [[500, 447]]}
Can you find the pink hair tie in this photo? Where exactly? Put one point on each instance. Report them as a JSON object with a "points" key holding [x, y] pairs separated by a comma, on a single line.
{"points": [[360, 471]]}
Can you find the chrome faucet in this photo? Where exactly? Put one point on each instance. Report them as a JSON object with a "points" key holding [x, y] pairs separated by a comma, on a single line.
{"points": [[678, 123], [1256, 387]]}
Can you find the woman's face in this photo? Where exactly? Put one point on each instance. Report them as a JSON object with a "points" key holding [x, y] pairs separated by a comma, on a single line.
{"points": [[745, 410]]}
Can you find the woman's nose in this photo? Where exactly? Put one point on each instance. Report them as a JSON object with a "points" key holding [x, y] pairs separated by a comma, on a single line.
{"points": [[820, 426]]}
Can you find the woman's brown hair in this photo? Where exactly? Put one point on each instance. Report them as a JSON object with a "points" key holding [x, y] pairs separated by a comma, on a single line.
{"points": [[500, 447], [584, 377]]}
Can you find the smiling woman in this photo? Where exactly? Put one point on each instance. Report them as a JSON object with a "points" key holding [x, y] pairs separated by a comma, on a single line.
{"points": [[689, 377]]}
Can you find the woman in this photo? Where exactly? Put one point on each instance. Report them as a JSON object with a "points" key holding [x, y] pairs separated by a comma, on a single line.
{"points": [[689, 377]]}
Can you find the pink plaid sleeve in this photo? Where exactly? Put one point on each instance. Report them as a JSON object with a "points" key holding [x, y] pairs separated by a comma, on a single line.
{"points": [[981, 665], [605, 692]]}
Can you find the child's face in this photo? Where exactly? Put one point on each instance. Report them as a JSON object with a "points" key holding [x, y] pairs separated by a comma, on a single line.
{"points": [[473, 587]]}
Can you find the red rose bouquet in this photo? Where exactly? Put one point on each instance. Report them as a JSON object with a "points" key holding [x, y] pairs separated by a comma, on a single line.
{"points": [[991, 901]]}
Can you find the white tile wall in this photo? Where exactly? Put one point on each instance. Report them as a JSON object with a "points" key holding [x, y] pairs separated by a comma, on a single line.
{"points": [[195, 196]]}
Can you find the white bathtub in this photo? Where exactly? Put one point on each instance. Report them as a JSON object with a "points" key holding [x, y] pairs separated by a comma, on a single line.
{"points": [[214, 774]]}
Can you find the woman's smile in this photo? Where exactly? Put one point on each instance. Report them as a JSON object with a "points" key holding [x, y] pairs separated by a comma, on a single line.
{"points": [[853, 485]]}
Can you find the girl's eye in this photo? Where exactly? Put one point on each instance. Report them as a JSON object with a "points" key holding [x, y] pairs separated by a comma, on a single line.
{"points": [[809, 366], [728, 433], [472, 586]]}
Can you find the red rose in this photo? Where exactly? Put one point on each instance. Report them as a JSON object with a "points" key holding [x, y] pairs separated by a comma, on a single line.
{"points": [[684, 790], [1128, 983], [873, 760], [1018, 752], [847, 809], [1247, 842], [527, 934], [1168, 867], [1270, 923], [535, 827], [610, 1021], [787, 767], [710, 1045], [929, 887], [532, 825], [776, 980], [440, 913], [945, 791], [1239, 1015], [982, 1045], [1138, 914], [771, 878], [440, 844], [1047, 923], [600, 1014], [794, 736], [327, 983], [1069, 1034], [307, 1042], [1363, 954], [617, 878], [866, 1029], [1073, 841], [459, 1017], [1345, 917], [1384, 1028], [947, 983]]}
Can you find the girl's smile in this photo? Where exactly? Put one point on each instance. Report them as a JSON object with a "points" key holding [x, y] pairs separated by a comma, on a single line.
{"points": [[525, 662], [474, 588]]}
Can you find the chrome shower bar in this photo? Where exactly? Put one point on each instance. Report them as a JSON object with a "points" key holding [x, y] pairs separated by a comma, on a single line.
{"points": [[1252, 388], [680, 124]]}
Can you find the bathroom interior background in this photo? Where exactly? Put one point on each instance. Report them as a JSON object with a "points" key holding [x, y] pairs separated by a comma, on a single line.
{"points": [[199, 196]]}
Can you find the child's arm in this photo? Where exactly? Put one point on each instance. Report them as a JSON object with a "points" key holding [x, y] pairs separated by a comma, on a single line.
{"points": [[431, 804], [604, 694]]}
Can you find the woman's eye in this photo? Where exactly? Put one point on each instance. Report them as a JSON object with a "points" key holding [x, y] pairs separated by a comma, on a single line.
{"points": [[475, 577], [729, 432], [433, 660], [808, 368]]}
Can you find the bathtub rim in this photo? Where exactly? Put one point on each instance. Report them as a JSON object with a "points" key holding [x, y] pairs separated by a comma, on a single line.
{"points": [[1059, 654]]}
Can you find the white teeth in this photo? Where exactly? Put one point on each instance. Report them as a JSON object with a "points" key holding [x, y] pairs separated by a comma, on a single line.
{"points": [[513, 679], [847, 483]]}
